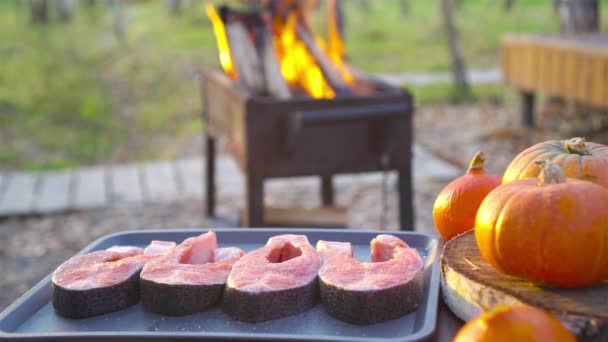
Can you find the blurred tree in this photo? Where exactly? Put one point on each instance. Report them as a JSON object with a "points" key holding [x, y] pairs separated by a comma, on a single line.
{"points": [[119, 21], [404, 5], [39, 11], [365, 5], [90, 7], [578, 16], [174, 6], [459, 70], [64, 9], [508, 5]]}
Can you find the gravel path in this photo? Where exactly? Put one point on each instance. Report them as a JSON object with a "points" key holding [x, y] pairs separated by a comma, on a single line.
{"points": [[33, 247], [474, 76], [456, 132]]}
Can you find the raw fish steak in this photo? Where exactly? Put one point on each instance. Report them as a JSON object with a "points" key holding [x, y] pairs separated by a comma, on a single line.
{"points": [[277, 280], [190, 278], [100, 282], [369, 292], [157, 247]]}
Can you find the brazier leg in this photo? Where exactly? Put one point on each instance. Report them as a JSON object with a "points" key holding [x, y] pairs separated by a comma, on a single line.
{"points": [[210, 176], [406, 194], [254, 202], [327, 190], [527, 108]]}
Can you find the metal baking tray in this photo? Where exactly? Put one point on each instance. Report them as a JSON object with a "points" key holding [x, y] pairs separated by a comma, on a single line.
{"points": [[32, 316]]}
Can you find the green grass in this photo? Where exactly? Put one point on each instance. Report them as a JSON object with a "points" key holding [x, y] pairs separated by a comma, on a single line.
{"points": [[385, 39], [73, 94]]}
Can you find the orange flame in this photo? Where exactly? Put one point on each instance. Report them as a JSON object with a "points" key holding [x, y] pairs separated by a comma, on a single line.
{"points": [[222, 40], [298, 66]]}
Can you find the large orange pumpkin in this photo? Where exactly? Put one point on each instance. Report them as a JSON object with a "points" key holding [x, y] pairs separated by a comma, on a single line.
{"points": [[554, 231], [456, 205], [519, 323], [578, 158]]}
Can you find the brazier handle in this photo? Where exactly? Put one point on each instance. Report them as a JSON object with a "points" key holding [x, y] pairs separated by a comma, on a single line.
{"points": [[341, 115], [299, 119]]}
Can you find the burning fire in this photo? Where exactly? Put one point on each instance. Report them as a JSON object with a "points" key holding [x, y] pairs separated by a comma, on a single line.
{"points": [[222, 40], [298, 66]]}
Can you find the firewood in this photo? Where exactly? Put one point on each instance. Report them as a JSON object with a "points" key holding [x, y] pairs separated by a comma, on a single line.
{"points": [[253, 53], [274, 81], [255, 59], [244, 56], [331, 74]]}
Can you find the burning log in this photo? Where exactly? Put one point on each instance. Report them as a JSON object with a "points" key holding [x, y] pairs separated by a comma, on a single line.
{"points": [[274, 51], [273, 79], [245, 57], [331, 74], [304, 32], [253, 53]]}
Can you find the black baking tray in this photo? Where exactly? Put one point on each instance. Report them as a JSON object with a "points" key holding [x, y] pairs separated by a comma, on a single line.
{"points": [[32, 316]]}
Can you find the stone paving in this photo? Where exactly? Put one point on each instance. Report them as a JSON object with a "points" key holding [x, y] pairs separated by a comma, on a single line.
{"points": [[157, 182], [475, 76]]}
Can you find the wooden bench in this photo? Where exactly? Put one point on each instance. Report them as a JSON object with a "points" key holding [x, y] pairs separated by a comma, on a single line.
{"points": [[571, 67]]}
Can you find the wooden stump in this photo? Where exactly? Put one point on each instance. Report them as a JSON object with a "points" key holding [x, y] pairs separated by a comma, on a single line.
{"points": [[470, 285]]}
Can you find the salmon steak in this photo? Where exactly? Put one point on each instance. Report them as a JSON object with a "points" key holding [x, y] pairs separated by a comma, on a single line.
{"points": [[190, 278], [102, 281], [388, 287], [274, 281]]}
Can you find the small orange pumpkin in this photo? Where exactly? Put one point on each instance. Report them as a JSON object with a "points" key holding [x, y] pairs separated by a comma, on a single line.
{"points": [[578, 158], [552, 232], [455, 207], [514, 323]]}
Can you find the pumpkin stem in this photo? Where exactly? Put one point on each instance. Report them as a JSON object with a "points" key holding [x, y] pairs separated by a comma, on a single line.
{"points": [[496, 310], [576, 146], [478, 161], [550, 173]]}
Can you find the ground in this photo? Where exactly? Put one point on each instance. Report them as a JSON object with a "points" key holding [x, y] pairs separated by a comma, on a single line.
{"points": [[39, 244], [497, 130]]}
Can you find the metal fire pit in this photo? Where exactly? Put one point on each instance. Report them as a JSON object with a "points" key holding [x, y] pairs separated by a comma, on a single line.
{"points": [[272, 138]]}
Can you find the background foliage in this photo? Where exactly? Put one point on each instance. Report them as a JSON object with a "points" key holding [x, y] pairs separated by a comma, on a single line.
{"points": [[77, 93]]}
